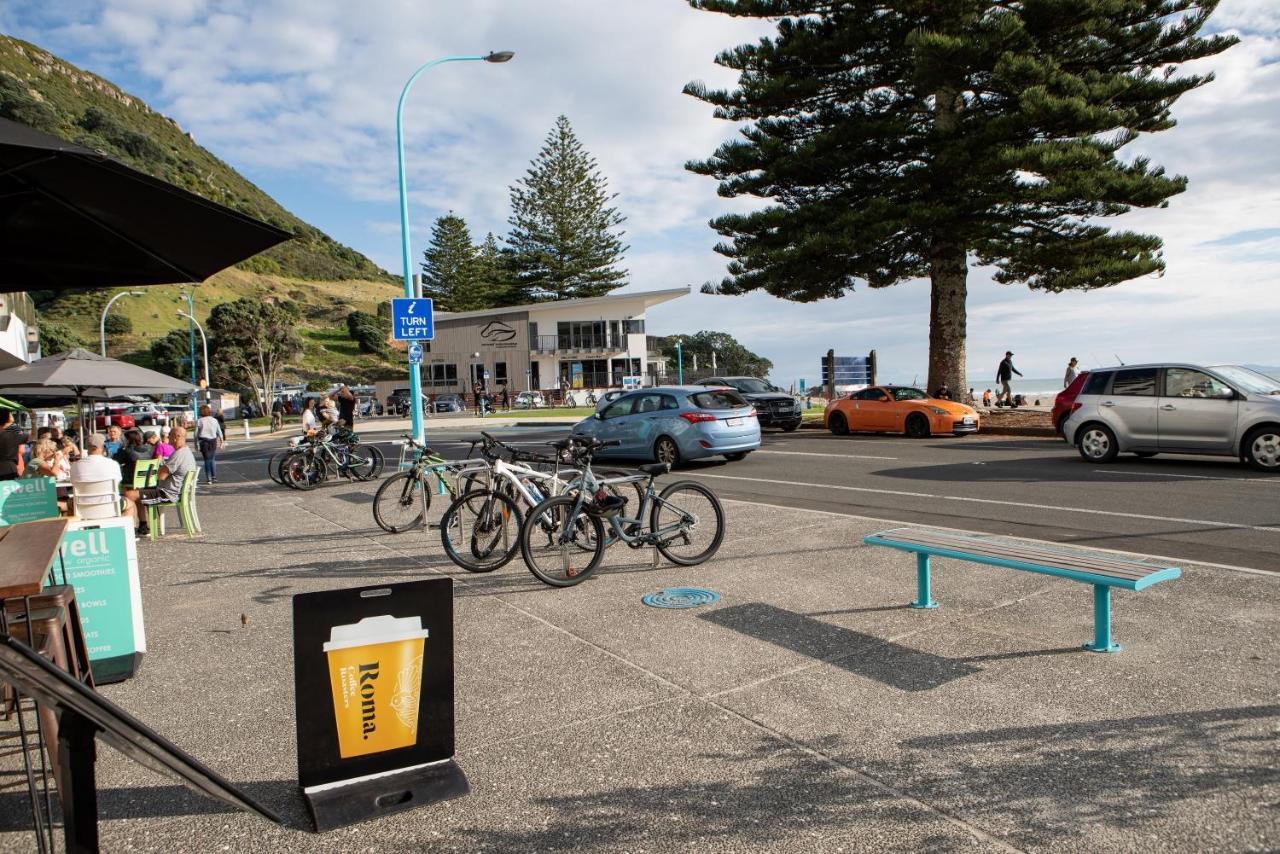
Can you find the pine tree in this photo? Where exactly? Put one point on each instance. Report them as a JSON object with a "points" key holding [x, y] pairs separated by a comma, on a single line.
{"points": [[493, 274], [449, 265], [563, 243], [899, 140]]}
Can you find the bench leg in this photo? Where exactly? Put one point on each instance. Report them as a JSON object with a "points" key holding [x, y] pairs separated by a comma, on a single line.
{"points": [[924, 598], [1102, 621]]}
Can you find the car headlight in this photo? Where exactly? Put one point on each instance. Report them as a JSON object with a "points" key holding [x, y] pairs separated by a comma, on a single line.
{"points": [[938, 411]]}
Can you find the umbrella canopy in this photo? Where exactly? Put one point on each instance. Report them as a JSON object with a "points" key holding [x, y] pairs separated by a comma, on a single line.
{"points": [[9, 404], [74, 218], [79, 373]]}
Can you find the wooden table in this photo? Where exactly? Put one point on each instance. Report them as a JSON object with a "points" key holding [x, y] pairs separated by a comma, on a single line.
{"points": [[27, 550]]}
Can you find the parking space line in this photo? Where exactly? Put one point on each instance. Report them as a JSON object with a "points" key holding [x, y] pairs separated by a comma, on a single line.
{"points": [[1266, 529], [813, 454], [1119, 473]]}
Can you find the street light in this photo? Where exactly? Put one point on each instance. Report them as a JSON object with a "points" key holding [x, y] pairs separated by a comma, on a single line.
{"points": [[415, 372], [205, 342], [102, 323]]}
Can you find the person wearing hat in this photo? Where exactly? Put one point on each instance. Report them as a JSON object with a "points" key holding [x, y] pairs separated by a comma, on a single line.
{"points": [[1071, 374], [1004, 374], [94, 466]]}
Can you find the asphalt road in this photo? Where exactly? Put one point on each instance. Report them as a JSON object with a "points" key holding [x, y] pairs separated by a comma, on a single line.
{"points": [[1188, 509]]}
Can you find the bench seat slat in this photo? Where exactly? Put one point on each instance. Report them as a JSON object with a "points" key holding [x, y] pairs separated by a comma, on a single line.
{"points": [[1061, 560]]}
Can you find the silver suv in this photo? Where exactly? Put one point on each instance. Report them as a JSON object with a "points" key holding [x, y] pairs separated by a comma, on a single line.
{"points": [[1224, 410]]}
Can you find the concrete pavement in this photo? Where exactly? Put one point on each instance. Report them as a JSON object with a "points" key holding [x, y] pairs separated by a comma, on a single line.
{"points": [[809, 710]]}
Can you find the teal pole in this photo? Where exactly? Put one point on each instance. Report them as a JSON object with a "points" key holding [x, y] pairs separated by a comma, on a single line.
{"points": [[924, 595], [191, 335], [415, 373], [679, 364], [1102, 621]]}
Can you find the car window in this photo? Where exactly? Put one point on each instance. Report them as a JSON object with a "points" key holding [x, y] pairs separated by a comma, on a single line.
{"points": [[1135, 382], [869, 394], [619, 409], [1248, 381], [1185, 382], [669, 402], [1097, 382], [909, 394], [647, 403], [721, 398], [751, 385]]}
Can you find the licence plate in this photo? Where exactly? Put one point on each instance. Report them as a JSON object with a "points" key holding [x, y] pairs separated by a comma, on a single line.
{"points": [[733, 422]]}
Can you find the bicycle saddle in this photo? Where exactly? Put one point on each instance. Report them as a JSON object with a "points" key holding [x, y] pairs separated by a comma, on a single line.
{"points": [[656, 468]]}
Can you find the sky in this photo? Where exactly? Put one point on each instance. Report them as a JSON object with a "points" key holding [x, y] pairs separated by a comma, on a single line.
{"points": [[300, 96]]}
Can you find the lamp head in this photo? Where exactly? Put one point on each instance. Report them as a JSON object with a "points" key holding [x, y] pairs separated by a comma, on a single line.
{"points": [[137, 293], [500, 56]]}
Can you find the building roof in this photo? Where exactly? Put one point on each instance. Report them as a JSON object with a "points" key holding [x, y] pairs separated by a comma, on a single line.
{"points": [[649, 297]]}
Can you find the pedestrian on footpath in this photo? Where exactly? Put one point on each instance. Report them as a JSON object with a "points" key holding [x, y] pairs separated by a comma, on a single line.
{"points": [[309, 420], [477, 393], [1004, 374], [1071, 373], [347, 406], [277, 414], [210, 437]]}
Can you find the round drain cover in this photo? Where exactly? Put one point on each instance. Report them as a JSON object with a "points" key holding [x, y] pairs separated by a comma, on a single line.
{"points": [[681, 597]]}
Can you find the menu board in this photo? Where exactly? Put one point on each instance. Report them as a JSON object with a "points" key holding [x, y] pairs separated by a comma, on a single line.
{"points": [[101, 561], [28, 499]]}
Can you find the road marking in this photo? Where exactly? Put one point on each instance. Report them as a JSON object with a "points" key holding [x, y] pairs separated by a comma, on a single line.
{"points": [[878, 519], [1269, 480], [971, 500], [812, 454]]}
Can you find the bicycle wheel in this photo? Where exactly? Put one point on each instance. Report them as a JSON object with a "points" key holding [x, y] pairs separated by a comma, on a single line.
{"points": [[378, 461], [281, 464], [273, 466], [363, 462], [696, 521], [481, 531], [304, 472], [401, 502], [561, 549]]}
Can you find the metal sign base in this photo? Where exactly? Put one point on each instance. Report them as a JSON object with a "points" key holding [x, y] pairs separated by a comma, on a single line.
{"points": [[351, 801]]}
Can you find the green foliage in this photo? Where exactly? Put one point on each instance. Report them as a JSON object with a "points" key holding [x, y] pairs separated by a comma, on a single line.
{"points": [[168, 353], [44, 92], [369, 331], [897, 140], [731, 358], [449, 265], [495, 275], [318, 385], [58, 338], [118, 324], [251, 340], [384, 309], [563, 243]]}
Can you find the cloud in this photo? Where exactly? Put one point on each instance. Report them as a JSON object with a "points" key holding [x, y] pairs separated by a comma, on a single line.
{"points": [[302, 96]]}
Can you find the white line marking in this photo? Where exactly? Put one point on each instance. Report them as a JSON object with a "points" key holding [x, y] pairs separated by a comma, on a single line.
{"points": [[879, 519], [969, 499], [811, 454], [1268, 480]]}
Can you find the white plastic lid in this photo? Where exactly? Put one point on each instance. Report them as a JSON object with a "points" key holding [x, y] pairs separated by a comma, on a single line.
{"points": [[372, 630]]}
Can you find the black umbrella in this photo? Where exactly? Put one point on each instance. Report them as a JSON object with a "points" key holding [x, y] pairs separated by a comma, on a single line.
{"points": [[74, 218]]}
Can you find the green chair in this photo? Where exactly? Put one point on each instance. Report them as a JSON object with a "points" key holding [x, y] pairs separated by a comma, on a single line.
{"points": [[146, 473], [186, 506]]}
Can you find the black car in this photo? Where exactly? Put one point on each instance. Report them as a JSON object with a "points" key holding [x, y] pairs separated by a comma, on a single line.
{"points": [[774, 407]]}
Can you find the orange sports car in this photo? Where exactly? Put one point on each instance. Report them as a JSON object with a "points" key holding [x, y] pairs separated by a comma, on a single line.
{"points": [[898, 409]]}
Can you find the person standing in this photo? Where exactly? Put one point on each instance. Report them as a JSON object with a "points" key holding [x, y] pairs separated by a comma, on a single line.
{"points": [[1004, 374], [13, 450], [347, 406], [210, 437], [477, 392], [277, 414], [1071, 373], [309, 420]]}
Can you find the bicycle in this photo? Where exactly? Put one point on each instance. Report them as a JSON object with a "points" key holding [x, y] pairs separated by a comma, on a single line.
{"points": [[402, 501], [563, 539], [315, 458]]}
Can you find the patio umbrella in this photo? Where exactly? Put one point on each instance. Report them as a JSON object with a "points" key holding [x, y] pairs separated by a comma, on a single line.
{"points": [[80, 374], [9, 404], [74, 218]]}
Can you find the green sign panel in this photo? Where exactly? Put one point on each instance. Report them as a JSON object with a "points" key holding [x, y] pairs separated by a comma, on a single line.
{"points": [[97, 562], [28, 499]]}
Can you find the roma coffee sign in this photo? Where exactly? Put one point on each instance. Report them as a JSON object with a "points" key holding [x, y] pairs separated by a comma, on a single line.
{"points": [[373, 689]]}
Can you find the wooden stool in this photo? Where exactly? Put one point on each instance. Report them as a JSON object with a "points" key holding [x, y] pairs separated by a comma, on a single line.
{"points": [[59, 596], [48, 625]]}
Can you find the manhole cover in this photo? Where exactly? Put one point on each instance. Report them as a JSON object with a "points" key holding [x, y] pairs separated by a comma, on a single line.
{"points": [[681, 597]]}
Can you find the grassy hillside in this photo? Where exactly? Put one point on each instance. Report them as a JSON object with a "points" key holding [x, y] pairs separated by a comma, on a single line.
{"points": [[40, 90], [329, 353]]}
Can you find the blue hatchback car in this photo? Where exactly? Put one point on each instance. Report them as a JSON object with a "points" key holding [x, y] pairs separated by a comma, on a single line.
{"points": [[671, 424]]}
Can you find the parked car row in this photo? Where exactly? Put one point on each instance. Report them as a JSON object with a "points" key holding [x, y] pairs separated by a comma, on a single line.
{"points": [[674, 424]]}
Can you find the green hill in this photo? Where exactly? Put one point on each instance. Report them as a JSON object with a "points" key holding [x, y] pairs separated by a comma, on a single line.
{"points": [[40, 90]]}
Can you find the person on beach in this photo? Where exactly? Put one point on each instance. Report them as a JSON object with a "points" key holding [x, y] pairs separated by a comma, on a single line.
{"points": [[1071, 373], [1004, 374], [986, 399], [970, 399], [943, 392]]}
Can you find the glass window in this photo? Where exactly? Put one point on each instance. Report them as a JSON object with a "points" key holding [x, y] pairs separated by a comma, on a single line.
{"points": [[722, 398], [500, 372], [647, 403], [868, 394], [909, 394], [1184, 382], [1097, 383], [622, 407], [635, 327], [1135, 382], [669, 402], [1248, 381]]}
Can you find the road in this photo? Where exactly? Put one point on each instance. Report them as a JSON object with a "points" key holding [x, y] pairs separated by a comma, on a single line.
{"points": [[1189, 509]]}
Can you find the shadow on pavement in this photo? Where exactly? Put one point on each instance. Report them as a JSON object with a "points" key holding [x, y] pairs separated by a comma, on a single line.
{"points": [[1037, 470]]}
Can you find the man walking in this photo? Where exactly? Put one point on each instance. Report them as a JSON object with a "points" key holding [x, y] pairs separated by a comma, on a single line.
{"points": [[1004, 374]]}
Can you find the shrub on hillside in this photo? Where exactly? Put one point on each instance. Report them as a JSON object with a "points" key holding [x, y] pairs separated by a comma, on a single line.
{"points": [[118, 324], [369, 331], [58, 338]]}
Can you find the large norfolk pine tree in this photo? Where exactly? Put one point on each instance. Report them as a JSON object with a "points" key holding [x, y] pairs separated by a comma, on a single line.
{"points": [[563, 242], [901, 139], [452, 274]]}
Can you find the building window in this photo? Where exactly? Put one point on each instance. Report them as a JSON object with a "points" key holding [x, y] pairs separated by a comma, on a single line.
{"points": [[585, 373], [636, 326], [441, 376], [581, 335], [500, 373]]}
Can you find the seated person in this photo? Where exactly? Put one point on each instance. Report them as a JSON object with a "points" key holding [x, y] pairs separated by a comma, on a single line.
{"points": [[44, 459], [173, 471], [95, 465], [160, 444], [135, 448], [115, 440]]}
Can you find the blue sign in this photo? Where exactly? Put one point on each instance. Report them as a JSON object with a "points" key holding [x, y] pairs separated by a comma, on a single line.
{"points": [[415, 353], [412, 320]]}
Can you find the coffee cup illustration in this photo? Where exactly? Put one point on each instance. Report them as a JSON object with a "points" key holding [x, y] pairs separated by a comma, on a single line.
{"points": [[375, 672]]}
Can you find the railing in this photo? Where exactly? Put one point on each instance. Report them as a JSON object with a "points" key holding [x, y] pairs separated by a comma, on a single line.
{"points": [[576, 343]]}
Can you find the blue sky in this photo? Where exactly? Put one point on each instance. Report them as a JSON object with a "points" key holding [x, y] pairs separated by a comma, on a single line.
{"points": [[300, 96]]}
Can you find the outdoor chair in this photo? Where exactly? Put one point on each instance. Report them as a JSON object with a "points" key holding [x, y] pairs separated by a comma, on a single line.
{"points": [[146, 473], [96, 499], [185, 505]]}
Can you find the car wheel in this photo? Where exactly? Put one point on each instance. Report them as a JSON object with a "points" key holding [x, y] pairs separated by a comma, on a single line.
{"points": [[665, 450], [1096, 443], [791, 428], [838, 424], [1262, 449], [733, 458], [1144, 455], [917, 426]]}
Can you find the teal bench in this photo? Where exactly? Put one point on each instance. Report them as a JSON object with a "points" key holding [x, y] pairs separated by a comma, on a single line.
{"points": [[1104, 571]]}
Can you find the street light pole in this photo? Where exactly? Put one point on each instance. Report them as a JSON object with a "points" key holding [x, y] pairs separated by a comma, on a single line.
{"points": [[415, 372], [102, 323], [679, 362], [205, 342]]}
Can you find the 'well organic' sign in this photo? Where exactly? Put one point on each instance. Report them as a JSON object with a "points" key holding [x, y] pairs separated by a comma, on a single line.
{"points": [[28, 499]]}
